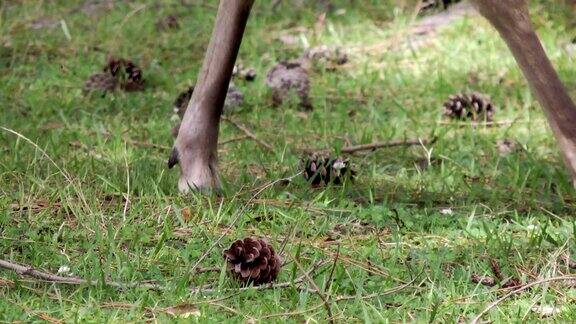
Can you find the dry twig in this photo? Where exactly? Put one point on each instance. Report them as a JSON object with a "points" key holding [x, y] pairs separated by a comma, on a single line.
{"points": [[29, 271], [475, 124], [249, 134], [233, 139], [374, 146]]}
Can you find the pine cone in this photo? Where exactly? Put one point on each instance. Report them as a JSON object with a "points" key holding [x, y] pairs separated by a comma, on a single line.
{"points": [[320, 170], [286, 78], [100, 81], [128, 74], [114, 66], [474, 106], [134, 79], [252, 260]]}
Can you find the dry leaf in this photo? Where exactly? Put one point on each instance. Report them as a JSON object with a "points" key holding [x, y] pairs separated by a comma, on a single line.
{"points": [[182, 310]]}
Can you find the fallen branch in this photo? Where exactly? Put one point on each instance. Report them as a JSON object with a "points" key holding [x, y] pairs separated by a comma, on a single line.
{"points": [[520, 289], [371, 147], [249, 134], [28, 271], [351, 149]]}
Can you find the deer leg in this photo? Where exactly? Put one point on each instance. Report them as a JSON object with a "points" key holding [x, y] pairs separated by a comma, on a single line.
{"points": [[512, 20], [195, 148]]}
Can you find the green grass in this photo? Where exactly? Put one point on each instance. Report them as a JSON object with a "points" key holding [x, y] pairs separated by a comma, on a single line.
{"points": [[108, 207]]}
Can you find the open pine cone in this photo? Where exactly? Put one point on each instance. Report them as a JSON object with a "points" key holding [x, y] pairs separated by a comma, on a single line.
{"points": [[321, 169], [128, 74], [290, 78], [253, 260], [473, 106]]}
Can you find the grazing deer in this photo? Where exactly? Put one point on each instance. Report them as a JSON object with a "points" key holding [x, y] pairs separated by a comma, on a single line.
{"points": [[195, 148]]}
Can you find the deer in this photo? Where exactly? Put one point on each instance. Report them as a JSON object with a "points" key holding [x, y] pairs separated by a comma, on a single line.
{"points": [[195, 148]]}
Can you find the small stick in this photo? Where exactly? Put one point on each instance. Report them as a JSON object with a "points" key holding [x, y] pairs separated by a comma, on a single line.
{"points": [[374, 146], [370, 147], [524, 287], [249, 134], [36, 274], [233, 139], [31, 272], [487, 123]]}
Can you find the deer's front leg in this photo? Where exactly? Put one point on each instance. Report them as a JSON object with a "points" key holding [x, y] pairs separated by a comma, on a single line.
{"points": [[195, 148], [512, 20]]}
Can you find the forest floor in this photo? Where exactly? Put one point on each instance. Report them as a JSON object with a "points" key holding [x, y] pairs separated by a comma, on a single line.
{"points": [[425, 233]]}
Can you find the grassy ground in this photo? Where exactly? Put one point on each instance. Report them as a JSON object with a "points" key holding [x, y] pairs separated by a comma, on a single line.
{"points": [[102, 202]]}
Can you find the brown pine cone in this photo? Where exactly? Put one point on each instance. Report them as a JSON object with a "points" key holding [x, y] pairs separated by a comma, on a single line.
{"points": [[134, 79], [252, 260], [321, 169], [114, 66], [473, 106], [287, 78], [128, 74]]}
